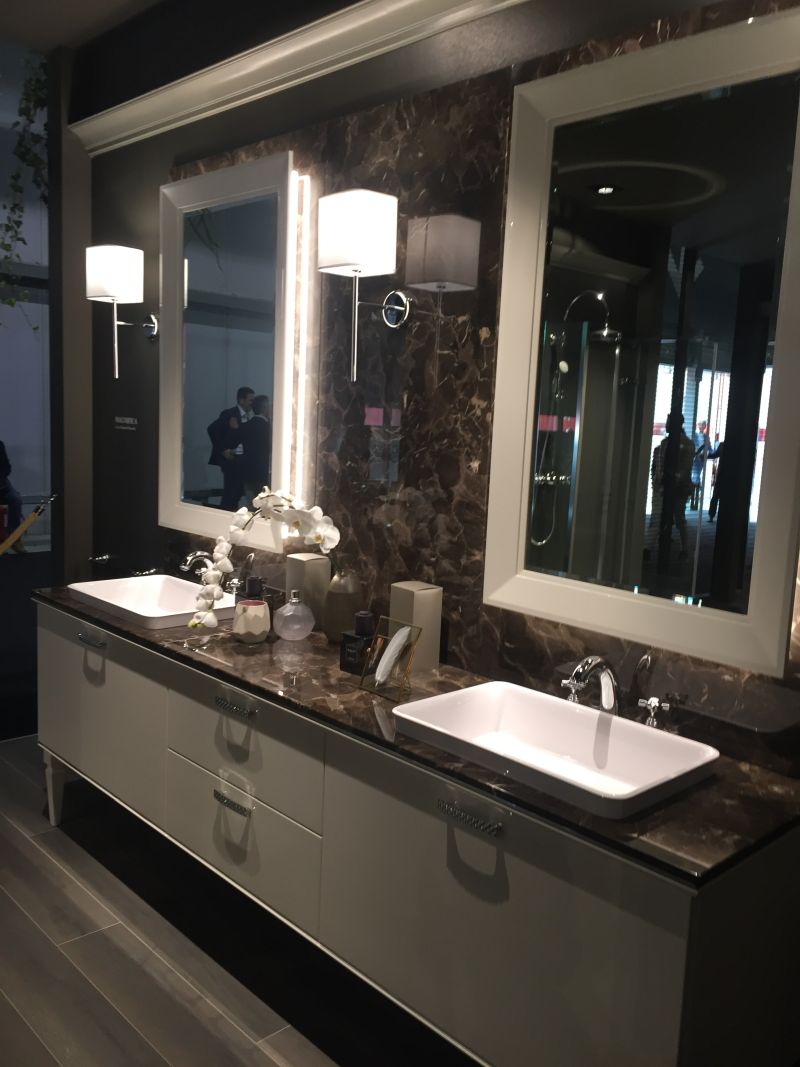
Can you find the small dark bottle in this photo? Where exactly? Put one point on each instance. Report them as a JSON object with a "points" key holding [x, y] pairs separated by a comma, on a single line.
{"points": [[356, 642]]}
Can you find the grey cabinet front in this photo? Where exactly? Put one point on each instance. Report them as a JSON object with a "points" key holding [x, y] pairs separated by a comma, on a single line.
{"points": [[277, 754], [103, 709], [523, 943], [259, 849]]}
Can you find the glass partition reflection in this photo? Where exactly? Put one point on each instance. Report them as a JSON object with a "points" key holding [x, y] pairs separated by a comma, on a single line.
{"points": [[666, 232], [229, 351]]}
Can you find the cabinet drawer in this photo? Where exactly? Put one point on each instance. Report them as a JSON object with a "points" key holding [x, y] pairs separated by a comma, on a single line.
{"points": [[261, 850], [277, 754]]}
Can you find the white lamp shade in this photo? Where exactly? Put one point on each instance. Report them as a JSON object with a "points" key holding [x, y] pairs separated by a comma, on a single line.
{"points": [[442, 253], [357, 233], [114, 272]]}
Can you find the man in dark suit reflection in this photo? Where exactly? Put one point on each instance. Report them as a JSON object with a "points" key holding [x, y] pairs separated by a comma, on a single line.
{"points": [[227, 450], [257, 445]]}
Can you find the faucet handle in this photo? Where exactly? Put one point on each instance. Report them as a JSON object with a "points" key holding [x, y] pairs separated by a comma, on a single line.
{"points": [[574, 687], [653, 705]]}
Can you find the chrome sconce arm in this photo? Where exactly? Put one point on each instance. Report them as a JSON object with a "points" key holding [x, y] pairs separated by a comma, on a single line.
{"points": [[357, 237]]}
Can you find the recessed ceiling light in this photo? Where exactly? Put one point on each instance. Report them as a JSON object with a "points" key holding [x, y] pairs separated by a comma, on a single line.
{"points": [[604, 190]]}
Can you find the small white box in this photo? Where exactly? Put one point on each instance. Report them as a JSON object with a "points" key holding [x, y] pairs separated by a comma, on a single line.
{"points": [[310, 573], [420, 604]]}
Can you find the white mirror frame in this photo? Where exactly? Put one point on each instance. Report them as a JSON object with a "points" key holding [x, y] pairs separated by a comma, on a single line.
{"points": [[226, 186], [756, 641]]}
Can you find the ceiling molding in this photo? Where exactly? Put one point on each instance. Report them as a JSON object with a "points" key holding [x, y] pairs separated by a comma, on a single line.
{"points": [[358, 33]]}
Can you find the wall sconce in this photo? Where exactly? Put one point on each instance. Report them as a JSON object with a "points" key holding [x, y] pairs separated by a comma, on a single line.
{"points": [[115, 275], [442, 257], [357, 237]]}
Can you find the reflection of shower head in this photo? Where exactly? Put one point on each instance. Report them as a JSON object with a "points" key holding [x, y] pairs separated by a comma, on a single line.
{"points": [[606, 333], [563, 366]]}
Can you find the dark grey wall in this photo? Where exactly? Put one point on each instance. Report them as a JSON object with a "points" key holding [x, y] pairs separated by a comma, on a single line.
{"points": [[178, 37], [125, 186]]}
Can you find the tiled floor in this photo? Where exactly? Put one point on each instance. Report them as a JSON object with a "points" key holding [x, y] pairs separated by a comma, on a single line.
{"points": [[116, 948]]}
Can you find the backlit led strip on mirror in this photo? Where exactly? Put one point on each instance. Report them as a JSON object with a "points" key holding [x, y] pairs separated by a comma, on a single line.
{"points": [[292, 474]]}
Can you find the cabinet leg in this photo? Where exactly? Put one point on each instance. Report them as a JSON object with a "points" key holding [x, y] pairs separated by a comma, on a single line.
{"points": [[56, 775]]}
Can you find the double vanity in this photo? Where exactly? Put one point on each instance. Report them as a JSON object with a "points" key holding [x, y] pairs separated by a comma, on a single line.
{"points": [[510, 920]]}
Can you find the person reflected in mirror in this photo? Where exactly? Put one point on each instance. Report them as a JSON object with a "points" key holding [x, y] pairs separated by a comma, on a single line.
{"points": [[227, 449], [671, 474], [722, 478], [257, 444], [11, 499], [702, 447]]}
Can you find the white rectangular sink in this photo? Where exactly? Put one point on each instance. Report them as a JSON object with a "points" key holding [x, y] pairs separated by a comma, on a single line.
{"points": [[603, 763], [154, 601]]}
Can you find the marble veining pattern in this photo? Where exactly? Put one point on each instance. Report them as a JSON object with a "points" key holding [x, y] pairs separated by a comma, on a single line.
{"points": [[694, 835], [403, 459]]}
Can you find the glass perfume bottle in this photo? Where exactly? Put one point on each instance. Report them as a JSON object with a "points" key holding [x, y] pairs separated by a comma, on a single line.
{"points": [[294, 620]]}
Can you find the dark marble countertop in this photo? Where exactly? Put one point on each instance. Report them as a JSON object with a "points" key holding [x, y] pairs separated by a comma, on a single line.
{"points": [[693, 837]]}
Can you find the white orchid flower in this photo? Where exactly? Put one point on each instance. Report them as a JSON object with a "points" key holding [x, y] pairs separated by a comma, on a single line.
{"points": [[205, 595], [324, 534], [203, 618], [235, 535], [211, 576], [224, 565], [301, 520], [241, 518], [260, 499], [273, 501]]}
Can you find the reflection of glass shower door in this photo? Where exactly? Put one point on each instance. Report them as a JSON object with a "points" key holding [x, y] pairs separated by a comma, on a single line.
{"points": [[557, 431], [605, 494]]}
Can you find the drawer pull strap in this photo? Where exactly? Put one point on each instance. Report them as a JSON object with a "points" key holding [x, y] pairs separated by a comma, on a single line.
{"points": [[85, 639], [467, 818], [226, 802], [237, 709]]}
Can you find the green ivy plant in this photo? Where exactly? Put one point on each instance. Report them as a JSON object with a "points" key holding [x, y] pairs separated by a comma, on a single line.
{"points": [[30, 152]]}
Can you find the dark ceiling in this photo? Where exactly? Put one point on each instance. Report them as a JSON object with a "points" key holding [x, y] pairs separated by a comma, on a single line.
{"points": [[43, 25]]}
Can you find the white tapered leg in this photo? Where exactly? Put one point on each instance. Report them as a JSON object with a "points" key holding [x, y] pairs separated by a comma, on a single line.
{"points": [[56, 775]]}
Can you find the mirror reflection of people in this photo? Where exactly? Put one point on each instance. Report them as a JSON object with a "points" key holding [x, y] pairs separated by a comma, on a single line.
{"points": [[675, 475], [721, 479], [11, 498], [702, 448], [227, 449], [257, 445]]}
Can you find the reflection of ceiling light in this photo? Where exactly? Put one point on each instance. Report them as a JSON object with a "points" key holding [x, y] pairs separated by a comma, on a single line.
{"points": [[604, 190]]}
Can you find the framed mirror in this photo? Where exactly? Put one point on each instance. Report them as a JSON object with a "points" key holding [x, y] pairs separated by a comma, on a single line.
{"points": [[227, 347], [646, 482]]}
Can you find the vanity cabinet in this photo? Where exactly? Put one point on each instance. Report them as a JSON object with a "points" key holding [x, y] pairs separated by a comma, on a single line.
{"points": [[103, 709], [521, 942]]}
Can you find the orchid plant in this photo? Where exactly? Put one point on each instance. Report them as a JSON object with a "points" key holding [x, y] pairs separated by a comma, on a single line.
{"points": [[301, 521]]}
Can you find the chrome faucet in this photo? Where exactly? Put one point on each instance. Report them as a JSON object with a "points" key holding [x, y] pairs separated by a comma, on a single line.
{"points": [[237, 584], [587, 669], [189, 564]]}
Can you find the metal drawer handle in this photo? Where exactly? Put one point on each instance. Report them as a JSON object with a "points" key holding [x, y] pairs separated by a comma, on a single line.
{"points": [[226, 802], [85, 639], [467, 818], [237, 709]]}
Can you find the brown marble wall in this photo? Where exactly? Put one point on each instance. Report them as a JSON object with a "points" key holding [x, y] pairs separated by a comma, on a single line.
{"points": [[403, 458]]}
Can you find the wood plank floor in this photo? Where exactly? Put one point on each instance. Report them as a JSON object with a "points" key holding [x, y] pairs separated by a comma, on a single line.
{"points": [[116, 949]]}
